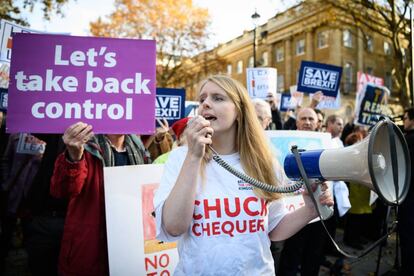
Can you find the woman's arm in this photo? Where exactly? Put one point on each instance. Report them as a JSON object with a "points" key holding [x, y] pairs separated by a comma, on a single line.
{"points": [[296, 220], [178, 209]]}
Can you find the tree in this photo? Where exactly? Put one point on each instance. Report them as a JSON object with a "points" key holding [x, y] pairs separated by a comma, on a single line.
{"points": [[388, 18], [179, 28], [11, 11]]}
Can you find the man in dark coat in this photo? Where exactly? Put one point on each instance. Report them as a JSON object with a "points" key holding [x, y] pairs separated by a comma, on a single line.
{"points": [[406, 210]]}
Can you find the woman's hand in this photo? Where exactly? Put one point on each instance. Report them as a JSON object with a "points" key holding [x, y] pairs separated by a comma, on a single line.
{"points": [[198, 135], [75, 137], [325, 197]]}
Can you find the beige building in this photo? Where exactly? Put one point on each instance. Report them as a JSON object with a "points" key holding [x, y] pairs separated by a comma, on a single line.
{"points": [[297, 34]]}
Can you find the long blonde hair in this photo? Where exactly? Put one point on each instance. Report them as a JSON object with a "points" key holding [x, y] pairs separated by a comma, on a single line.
{"points": [[253, 146]]}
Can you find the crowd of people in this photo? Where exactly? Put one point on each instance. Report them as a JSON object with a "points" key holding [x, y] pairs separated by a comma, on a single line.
{"points": [[55, 195]]}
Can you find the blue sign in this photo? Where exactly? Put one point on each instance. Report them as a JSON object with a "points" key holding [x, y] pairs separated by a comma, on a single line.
{"points": [[170, 104], [315, 77], [286, 103], [3, 99], [371, 104]]}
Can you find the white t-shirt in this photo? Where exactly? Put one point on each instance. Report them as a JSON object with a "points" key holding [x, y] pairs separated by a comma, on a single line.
{"points": [[230, 227]]}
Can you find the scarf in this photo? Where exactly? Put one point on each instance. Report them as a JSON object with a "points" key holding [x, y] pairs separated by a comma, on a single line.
{"points": [[100, 146]]}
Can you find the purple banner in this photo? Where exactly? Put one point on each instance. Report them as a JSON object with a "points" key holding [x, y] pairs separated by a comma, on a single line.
{"points": [[58, 80]]}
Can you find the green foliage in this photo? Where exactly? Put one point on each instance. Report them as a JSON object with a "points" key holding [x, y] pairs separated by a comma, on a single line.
{"points": [[12, 10]]}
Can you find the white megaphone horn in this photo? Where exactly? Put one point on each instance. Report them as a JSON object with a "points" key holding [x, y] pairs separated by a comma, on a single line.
{"points": [[380, 162]]}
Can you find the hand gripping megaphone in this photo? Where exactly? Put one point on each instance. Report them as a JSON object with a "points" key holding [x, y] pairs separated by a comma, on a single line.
{"points": [[380, 162]]}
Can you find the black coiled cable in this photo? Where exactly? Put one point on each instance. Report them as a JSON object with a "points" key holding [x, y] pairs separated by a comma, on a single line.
{"points": [[256, 183]]}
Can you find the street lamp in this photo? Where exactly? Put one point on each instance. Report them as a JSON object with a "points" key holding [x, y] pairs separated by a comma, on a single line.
{"points": [[255, 19]]}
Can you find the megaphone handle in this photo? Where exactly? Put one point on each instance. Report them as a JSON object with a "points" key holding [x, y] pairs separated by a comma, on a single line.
{"points": [[325, 211]]}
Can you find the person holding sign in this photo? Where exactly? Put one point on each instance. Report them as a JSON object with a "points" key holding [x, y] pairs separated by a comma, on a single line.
{"points": [[223, 225], [78, 175]]}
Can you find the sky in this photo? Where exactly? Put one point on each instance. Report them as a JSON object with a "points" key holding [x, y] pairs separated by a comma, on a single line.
{"points": [[229, 17]]}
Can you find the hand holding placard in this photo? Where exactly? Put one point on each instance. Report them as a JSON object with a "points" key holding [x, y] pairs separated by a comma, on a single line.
{"points": [[75, 137]]}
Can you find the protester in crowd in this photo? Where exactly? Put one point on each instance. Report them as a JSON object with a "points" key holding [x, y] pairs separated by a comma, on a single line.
{"points": [[78, 176], [263, 112], [290, 121], [277, 122], [406, 210], [161, 142], [303, 251], [358, 216], [223, 225], [334, 126], [43, 216], [178, 128], [4, 137], [15, 181], [321, 118]]}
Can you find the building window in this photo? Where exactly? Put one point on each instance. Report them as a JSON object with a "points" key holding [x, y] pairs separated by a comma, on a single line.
{"points": [[388, 80], [347, 38], [229, 67], [251, 61], [387, 48], [300, 47], [280, 54], [239, 67], [280, 83], [348, 80], [323, 39], [370, 44], [265, 60]]}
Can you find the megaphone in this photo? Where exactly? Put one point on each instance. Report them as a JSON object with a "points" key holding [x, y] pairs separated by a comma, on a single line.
{"points": [[380, 162]]}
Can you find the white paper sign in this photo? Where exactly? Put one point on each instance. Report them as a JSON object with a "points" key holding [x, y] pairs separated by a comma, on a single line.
{"points": [[328, 102], [261, 81], [6, 31], [28, 144], [132, 247]]}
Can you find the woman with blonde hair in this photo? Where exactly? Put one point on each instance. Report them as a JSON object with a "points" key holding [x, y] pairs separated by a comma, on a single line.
{"points": [[224, 225]]}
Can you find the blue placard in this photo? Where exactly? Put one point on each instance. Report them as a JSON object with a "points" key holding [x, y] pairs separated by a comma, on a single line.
{"points": [[3, 99], [371, 105], [285, 103], [315, 77], [170, 104]]}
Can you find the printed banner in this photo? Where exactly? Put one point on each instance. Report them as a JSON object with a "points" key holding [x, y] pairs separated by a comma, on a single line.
{"points": [[315, 77], [28, 144], [129, 192], [370, 104], [261, 81], [7, 29], [364, 79], [108, 83], [170, 104], [282, 142], [3, 99], [329, 102]]}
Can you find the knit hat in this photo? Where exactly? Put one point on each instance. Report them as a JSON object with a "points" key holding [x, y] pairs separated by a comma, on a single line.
{"points": [[179, 126]]}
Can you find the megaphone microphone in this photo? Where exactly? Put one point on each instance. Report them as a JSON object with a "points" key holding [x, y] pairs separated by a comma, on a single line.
{"points": [[380, 162]]}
